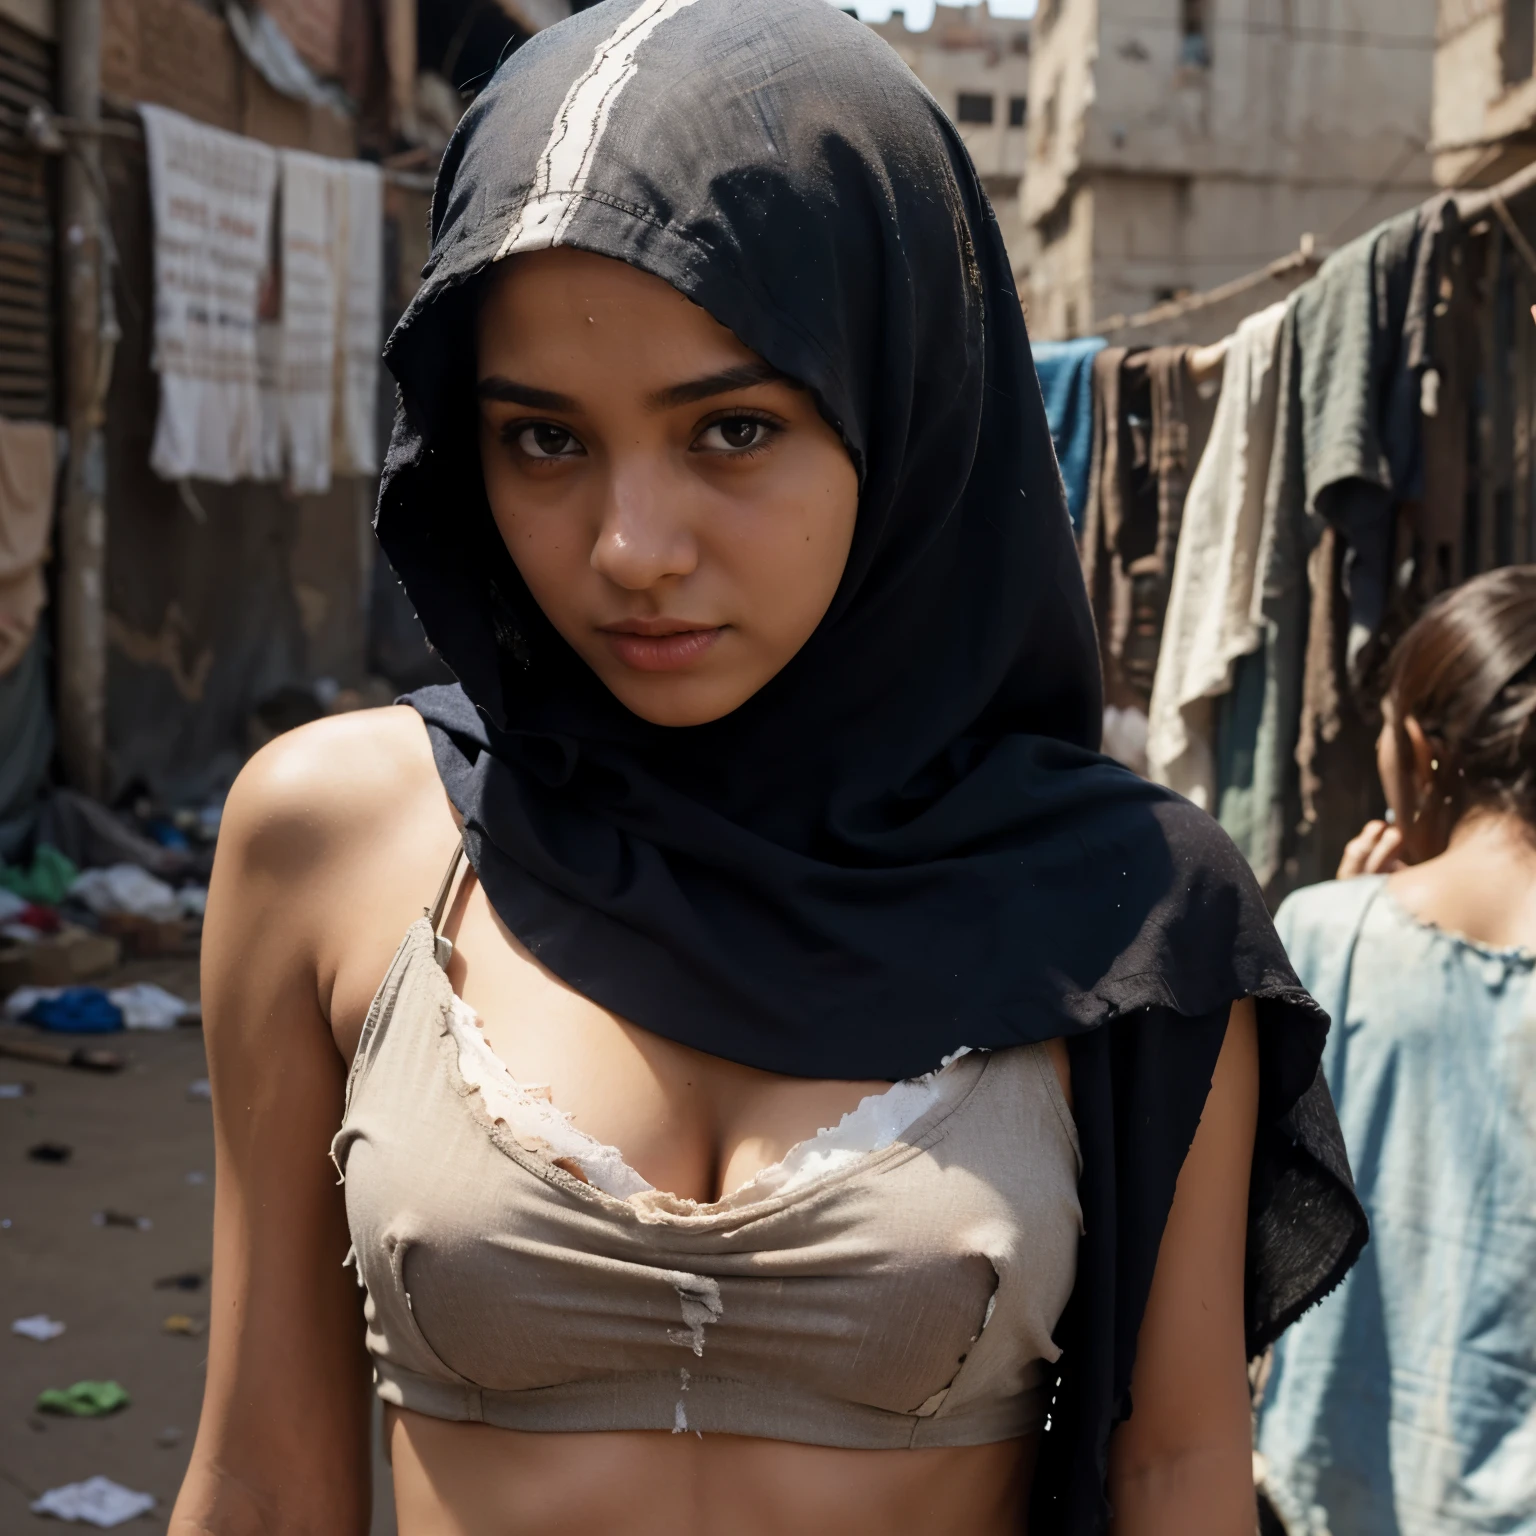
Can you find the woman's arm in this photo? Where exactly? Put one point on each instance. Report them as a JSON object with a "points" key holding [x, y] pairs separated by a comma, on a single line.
{"points": [[1183, 1461], [282, 1446]]}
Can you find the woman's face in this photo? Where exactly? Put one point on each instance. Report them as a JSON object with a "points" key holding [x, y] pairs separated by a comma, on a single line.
{"points": [[680, 512]]}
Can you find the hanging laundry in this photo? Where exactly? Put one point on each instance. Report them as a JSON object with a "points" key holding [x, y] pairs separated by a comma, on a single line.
{"points": [[1065, 369], [1256, 720], [359, 251], [1356, 451], [1212, 619], [212, 197], [1444, 345], [26, 729], [29, 452], [1120, 520], [314, 190], [1150, 428], [1347, 450]]}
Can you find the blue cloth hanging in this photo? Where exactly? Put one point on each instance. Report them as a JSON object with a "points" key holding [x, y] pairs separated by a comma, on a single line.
{"points": [[1066, 380]]}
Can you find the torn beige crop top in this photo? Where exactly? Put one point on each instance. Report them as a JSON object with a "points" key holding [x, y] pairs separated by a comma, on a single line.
{"points": [[892, 1282]]}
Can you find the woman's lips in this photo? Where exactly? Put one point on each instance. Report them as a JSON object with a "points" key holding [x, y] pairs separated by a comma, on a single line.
{"points": [[661, 653]]}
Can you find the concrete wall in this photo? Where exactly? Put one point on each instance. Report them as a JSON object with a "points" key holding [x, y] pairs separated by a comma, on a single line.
{"points": [[1484, 122], [1306, 117], [969, 50]]}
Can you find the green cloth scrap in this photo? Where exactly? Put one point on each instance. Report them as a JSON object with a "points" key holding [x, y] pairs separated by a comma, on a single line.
{"points": [[47, 882], [84, 1400]]}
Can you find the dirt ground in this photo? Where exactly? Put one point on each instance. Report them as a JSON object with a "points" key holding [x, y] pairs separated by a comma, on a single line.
{"points": [[142, 1145]]}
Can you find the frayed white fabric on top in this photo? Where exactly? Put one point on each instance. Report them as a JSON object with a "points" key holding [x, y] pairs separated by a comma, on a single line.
{"points": [[526, 1111], [537, 1125], [872, 1125]]}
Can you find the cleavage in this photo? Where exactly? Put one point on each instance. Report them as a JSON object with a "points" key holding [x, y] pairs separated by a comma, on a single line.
{"points": [[688, 1123]]}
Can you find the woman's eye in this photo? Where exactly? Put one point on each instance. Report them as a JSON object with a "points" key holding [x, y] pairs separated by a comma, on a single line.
{"points": [[544, 440], [734, 434]]}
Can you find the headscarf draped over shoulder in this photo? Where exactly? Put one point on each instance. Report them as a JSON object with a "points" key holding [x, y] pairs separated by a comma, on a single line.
{"points": [[906, 842]]}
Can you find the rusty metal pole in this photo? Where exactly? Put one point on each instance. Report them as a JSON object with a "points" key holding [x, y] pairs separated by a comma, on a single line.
{"points": [[82, 542]]}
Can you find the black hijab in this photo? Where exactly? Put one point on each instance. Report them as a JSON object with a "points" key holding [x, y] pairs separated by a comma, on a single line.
{"points": [[907, 841]]}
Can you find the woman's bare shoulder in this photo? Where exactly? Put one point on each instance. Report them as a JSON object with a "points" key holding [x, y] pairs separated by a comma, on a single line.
{"points": [[333, 837], [332, 829], [315, 789]]}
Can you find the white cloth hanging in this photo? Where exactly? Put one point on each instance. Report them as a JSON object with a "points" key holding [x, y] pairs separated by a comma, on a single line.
{"points": [[360, 281], [211, 194], [314, 191], [1213, 615]]}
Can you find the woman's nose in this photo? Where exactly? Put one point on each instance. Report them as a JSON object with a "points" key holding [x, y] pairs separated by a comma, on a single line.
{"points": [[645, 535]]}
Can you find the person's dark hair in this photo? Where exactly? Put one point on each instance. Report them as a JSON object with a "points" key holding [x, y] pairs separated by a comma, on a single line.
{"points": [[1466, 671]]}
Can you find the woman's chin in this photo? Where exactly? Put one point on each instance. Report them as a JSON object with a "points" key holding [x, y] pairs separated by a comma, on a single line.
{"points": [[676, 699]]}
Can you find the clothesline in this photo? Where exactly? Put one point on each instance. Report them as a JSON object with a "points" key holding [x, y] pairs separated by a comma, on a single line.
{"points": [[1259, 518], [1472, 204], [49, 132], [1307, 257]]}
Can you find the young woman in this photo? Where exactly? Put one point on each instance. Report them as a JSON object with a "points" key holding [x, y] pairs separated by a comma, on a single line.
{"points": [[832, 1072], [1406, 1404]]}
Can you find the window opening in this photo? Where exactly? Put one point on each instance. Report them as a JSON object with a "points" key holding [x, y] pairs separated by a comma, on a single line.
{"points": [[974, 107], [1519, 40], [1018, 111], [1196, 50]]}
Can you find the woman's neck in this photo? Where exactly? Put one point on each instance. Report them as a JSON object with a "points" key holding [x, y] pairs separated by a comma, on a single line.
{"points": [[1483, 886]]}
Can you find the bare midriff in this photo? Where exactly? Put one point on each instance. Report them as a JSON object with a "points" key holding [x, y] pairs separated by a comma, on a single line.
{"points": [[471, 1480]]}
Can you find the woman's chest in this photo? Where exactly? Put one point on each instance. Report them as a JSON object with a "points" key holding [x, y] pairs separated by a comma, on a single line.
{"points": [[887, 1282], [694, 1125]]}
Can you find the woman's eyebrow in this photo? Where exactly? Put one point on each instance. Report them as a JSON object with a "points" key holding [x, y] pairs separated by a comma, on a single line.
{"points": [[496, 386], [744, 376]]}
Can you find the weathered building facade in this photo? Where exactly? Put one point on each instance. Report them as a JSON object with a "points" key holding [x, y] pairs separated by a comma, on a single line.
{"points": [[977, 67], [175, 607], [1175, 145], [1485, 91]]}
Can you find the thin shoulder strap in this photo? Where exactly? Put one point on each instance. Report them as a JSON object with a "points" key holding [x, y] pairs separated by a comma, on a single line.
{"points": [[437, 913]]}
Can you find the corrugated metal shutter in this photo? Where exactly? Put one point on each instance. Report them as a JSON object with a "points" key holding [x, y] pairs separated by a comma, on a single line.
{"points": [[26, 232]]}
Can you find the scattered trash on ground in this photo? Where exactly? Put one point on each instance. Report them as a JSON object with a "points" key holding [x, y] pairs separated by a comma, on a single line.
{"points": [[84, 1400], [200, 1088], [26, 921], [97, 1501], [126, 888], [15, 1090], [189, 1327], [66, 1010], [94, 835], [146, 1006], [121, 1219], [150, 916], [190, 1280], [46, 882], [40, 1327], [142, 1005], [168, 1437], [50, 1152], [197, 1176], [90, 1058], [61, 959]]}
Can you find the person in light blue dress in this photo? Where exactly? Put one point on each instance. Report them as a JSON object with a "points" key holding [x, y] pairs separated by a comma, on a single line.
{"points": [[1405, 1404]]}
